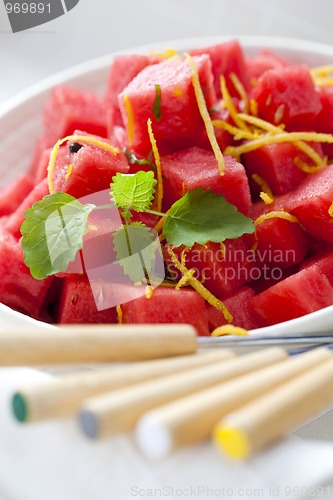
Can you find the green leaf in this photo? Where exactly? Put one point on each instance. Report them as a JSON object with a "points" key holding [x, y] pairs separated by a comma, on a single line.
{"points": [[201, 216], [135, 250], [133, 191], [157, 111], [52, 233]]}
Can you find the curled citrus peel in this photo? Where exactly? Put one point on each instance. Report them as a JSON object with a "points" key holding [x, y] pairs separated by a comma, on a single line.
{"points": [[159, 187], [229, 330], [205, 114], [199, 287], [266, 194]]}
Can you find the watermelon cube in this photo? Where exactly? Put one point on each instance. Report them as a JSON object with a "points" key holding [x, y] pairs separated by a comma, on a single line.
{"points": [[18, 289], [77, 304], [280, 243], [169, 306], [310, 203], [276, 165], [324, 121], [241, 308], [306, 291], [261, 62], [69, 109], [123, 69], [322, 261], [226, 58], [14, 221], [179, 118], [92, 170], [14, 193], [194, 167], [288, 95]]}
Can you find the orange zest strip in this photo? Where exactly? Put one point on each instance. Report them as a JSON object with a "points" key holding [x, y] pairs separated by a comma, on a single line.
{"points": [[230, 105], [269, 127], [277, 139], [309, 169], [199, 287], [86, 139], [280, 214], [119, 315], [241, 90], [229, 330], [159, 190], [236, 132], [130, 120], [266, 195], [330, 210], [205, 114]]}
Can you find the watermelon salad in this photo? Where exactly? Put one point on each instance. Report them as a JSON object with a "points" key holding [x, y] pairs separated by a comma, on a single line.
{"points": [[217, 163]]}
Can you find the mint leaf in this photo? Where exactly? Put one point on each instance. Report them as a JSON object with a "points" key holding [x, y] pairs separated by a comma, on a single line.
{"points": [[157, 112], [201, 216], [52, 233], [135, 250], [133, 191]]}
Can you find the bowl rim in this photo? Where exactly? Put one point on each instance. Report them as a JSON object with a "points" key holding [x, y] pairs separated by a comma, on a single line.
{"points": [[101, 63]]}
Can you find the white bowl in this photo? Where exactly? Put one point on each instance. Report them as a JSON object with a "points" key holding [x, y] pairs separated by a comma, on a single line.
{"points": [[20, 124]]}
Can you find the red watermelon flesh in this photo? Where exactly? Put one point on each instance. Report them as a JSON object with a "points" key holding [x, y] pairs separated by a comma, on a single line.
{"points": [[221, 272], [123, 69], [169, 306], [324, 121], [18, 289], [13, 194], [226, 58], [262, 62], [93, 169], [77, 304], [14, 221], [288, 95], [305, 292], [241, 308], [69, 109], [263, 277], [322, 261], [281, 243], [310, 203], [275, 163], [195, 167], [180, 117]]}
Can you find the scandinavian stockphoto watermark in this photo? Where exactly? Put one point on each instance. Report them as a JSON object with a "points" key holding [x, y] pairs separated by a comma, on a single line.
{"points": [[26, 14], [236, 264]]}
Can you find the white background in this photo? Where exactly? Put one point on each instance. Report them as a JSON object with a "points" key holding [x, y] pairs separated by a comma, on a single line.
{"points": [[97, 27]]}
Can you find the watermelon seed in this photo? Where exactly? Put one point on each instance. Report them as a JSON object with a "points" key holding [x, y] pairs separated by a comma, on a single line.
{"points": [[74, 147]]}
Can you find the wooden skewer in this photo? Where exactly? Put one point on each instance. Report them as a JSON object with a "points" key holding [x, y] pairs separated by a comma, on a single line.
{"points": [[193, 418], [118, 411], [268, 418], [63, 397], [96, 344]]}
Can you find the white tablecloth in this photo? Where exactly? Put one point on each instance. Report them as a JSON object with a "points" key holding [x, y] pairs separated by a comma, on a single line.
{"points": [[53, 461]]}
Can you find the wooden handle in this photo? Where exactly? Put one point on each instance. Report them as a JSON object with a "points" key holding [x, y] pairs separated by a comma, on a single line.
{"points": [[63, 397], [268, 418], [118, 411], [193, 417], [96, 344]]}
